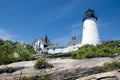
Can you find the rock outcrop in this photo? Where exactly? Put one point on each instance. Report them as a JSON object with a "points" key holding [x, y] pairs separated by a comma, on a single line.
{"points": [[112, 75], [64, 69]]}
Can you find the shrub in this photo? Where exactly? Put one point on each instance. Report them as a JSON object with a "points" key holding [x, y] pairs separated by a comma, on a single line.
{"points": [[42, 63], [107, 67], [35, 78], [8, 48], [113, 65], [106, 49], [25, 78], [9, 69]]}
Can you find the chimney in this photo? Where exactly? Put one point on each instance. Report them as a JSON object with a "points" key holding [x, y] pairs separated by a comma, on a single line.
{"points": [[46, 39]]}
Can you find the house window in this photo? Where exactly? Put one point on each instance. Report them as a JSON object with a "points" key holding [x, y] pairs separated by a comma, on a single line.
{"points": [[38, 49]]}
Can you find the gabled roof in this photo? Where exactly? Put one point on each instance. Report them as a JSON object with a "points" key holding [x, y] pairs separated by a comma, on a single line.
{"points": [[43, 41], [73, 42], [57, 46]]}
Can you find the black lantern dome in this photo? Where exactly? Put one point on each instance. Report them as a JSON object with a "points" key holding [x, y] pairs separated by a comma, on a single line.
{"points": [[89, 14]]}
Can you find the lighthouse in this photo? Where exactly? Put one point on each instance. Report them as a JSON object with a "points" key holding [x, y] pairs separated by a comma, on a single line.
{"points": [[90, 29]]}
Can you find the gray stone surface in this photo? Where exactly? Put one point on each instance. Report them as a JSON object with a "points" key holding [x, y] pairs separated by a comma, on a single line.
{"points": [[117, 57], [112, 75], [63, 68]]}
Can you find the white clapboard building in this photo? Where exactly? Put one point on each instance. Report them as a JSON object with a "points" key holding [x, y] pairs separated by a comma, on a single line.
{"points": [[44, 45], [90, 36]]}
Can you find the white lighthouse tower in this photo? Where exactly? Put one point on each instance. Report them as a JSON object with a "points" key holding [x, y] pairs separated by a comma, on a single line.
{"points": [[90, 29]]}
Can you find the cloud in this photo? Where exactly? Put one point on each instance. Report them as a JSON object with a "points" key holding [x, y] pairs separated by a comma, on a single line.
{"points": [[59, 12], [5, 35], [102, 24], [106, 31], [76, 30]]}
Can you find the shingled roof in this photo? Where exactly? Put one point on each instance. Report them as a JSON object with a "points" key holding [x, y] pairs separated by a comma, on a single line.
{"points": [[70, 43]]}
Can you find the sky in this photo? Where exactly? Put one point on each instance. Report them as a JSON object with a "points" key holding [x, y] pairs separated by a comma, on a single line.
{"points": [[25, 20]]}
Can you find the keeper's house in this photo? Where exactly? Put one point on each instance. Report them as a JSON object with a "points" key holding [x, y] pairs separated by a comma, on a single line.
{"points": [[44, 45]]}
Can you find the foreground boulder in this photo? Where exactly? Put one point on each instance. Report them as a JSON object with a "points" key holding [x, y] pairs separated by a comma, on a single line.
{"points": [[112, 75]]}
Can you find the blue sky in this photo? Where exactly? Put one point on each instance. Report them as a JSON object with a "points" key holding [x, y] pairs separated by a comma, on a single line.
{"points": [[24, 20]]}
